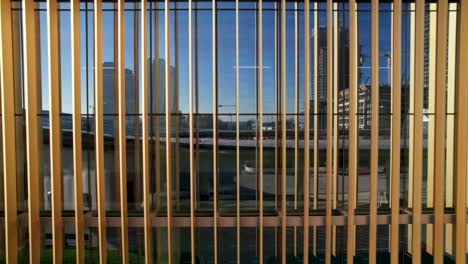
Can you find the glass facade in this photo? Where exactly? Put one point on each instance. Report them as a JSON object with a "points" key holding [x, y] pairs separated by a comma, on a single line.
{"points": [[233, 131]]}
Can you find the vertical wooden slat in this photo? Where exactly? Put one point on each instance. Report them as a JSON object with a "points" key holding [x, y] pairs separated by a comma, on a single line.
{"points": [[32, 127], [430, 56], [122, 129], [55, 131], [277, 117], [388, 166], [277, 94], [99, 131], [374, 160], [335, 103], [115, 120], [329, 157], [395, 134], [260, 125], [215, 128], [440, 114], [410, 11], [335, 150], [77, 145], [316, 126], [450, 125], [277, 109], [430, 71], [176, 119], [296, 117], [306, 127], [167, 73], [352, 145], [418, 129], [8, 130], [145, 128], [316, 93], [283, 131], [192, 172], [461, 135], [256, 105], [238, 228]]}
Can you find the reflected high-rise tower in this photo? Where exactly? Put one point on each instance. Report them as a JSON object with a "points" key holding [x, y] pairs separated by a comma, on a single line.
{"points": [[157, 72], [110, 101], [110, 90], [342, 53]]}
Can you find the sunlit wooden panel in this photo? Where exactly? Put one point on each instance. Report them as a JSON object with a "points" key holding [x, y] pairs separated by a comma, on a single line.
{"points": [[145, 138], [353, 130], [192, 173], [296, 122], [374, 162], [99, 131], [259, 125], [115, 108], [122, 145], [335, 150], [411, 124], [306, 128], [77, 141], [32, 126], [429, 112], [395, 133], [8, 132], [418, 130], [55, 128], [440, 124], [450, 126], [461, 126], [283, 131], [329, 157], [431, 69], [335, 99]]}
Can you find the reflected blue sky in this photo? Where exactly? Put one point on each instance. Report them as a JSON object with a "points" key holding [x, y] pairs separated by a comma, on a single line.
{"points": [[226, 54]]}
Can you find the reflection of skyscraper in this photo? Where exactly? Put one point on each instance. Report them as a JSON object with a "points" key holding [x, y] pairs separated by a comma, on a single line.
{"points": [[110, 97], [110, 92], [157, 72], [342, 72], [321, 53]]}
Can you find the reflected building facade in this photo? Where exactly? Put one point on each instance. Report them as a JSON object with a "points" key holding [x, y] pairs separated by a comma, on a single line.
{"points": [[342, 67], [248, 192]]}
